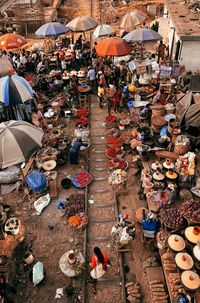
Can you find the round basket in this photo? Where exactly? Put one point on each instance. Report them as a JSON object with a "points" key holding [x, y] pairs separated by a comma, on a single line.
{"points": [[157, 110], [181, 149], [158, 121]]}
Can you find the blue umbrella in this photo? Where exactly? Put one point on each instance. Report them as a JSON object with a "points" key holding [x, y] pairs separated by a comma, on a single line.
{"points": [[142, 35], [15, 90], [52, 29]]}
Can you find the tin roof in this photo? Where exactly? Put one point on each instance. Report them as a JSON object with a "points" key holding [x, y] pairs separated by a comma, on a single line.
{"points": [[186, 18]]}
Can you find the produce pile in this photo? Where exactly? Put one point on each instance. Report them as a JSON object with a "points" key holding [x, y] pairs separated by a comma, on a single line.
{"points": [[114, 141], [111, 121], [191, 210], [175, 284], [117, 176], [76, 205], [79, 220], [81, 179], [172, 218], [81, 117], [112, 152], [118, 163]]}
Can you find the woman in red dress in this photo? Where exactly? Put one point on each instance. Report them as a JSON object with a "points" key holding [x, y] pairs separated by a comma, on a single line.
{"points": [[98, 257]]}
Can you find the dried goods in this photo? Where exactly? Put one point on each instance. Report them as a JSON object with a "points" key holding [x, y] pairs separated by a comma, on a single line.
{"points": [[76, 205], [158, 292], [191, 210], [172, 218]]}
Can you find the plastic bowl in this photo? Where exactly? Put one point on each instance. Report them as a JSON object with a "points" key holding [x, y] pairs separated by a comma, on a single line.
{"points": [[66, 183]]}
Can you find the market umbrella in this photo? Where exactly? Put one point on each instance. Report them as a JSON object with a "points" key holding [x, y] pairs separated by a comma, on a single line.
{"points": [[52, 29], [15, 90], [10, 42], [5, 67], [142, 35], [113, 46], [102, 30], [18, 141], [82, 24], [132, 19]]}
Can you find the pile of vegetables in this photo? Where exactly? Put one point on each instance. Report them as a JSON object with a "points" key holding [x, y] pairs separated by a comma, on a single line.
{"points": [[191, 210], [117, 163], [117, 176], [81, 112], [111, 118], [172, 218], [81, 179], [113, 132], [79, 220], [112, 152], [82, 121], [76, 205], [114, 141]]}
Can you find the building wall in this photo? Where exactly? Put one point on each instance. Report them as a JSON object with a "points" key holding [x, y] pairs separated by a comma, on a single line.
{"points": [[190, 55]]}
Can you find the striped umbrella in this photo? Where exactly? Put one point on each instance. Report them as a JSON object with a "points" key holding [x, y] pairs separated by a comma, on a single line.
{"points": [[18, 141], [15, 90]]}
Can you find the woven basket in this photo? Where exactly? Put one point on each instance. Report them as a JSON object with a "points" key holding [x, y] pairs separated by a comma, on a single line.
{"points": [[158, 121], [181, 149], [157, 110]]}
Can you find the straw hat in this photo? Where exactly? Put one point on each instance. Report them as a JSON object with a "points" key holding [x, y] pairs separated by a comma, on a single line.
{"points": [[158, 176], [156, 165], [49, 165], [184, 261], [168, 164], [176, 242], [170, 174], [190, 279], [192, 234]]}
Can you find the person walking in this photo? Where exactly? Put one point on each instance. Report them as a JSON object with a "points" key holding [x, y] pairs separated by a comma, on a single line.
{"points": [[98, 265], [101, 93]]}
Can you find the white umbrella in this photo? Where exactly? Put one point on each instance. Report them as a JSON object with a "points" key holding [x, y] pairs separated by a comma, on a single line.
{"points": [[82, 24], [142, 35], [18, 141], [103, 30], [132, 19]]}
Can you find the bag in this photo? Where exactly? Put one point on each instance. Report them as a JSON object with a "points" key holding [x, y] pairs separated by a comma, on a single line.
{"points": [[97, 271]]}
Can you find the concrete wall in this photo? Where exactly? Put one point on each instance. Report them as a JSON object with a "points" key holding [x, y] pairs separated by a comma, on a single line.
{"points": [[190, 55]]}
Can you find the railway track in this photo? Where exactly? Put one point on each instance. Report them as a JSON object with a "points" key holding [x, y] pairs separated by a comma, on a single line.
{"points": [[102, 214]]}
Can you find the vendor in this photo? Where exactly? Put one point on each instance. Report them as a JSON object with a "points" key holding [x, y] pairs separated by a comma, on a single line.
{"points": [[73, 152], [37, 118]]}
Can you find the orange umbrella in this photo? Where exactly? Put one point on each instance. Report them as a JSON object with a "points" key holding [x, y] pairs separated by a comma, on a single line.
{"points": [[11, 41], [114, 47]]}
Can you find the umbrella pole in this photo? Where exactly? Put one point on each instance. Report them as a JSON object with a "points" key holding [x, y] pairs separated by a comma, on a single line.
{"points": [[23, 178]]}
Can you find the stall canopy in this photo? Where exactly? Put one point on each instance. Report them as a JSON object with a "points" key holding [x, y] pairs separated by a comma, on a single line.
{"points": [[114, 47], [188, 110], [82, 24], [52, 29], [102, 31], [11, 42], [142, 35], [132, 19], [18, 141], [15, 90]]}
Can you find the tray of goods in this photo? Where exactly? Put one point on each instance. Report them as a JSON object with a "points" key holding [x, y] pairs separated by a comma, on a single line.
{"points": [[81, 180], [111, 119], [190, 210], [161, 238], [118, 163], [158, 291], [175, 285], [75, 205], [172, 218], [114, 152]]}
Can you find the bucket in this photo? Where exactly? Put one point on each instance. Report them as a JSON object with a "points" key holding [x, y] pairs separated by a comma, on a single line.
{"points": [[28, 258], [121, 127]]}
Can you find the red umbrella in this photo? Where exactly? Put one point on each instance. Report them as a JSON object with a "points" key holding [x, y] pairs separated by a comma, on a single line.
{"points": [[114, 47], [12, 41]]}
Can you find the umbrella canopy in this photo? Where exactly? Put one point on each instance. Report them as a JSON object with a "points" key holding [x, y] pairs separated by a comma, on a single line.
{"points": [[5, 67], [82, 24], [142, 35], [52, 29], [102, 30], [113, 46], [12, 41], [132, 19], [18, 141], [188, 110], [15, 90]]}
